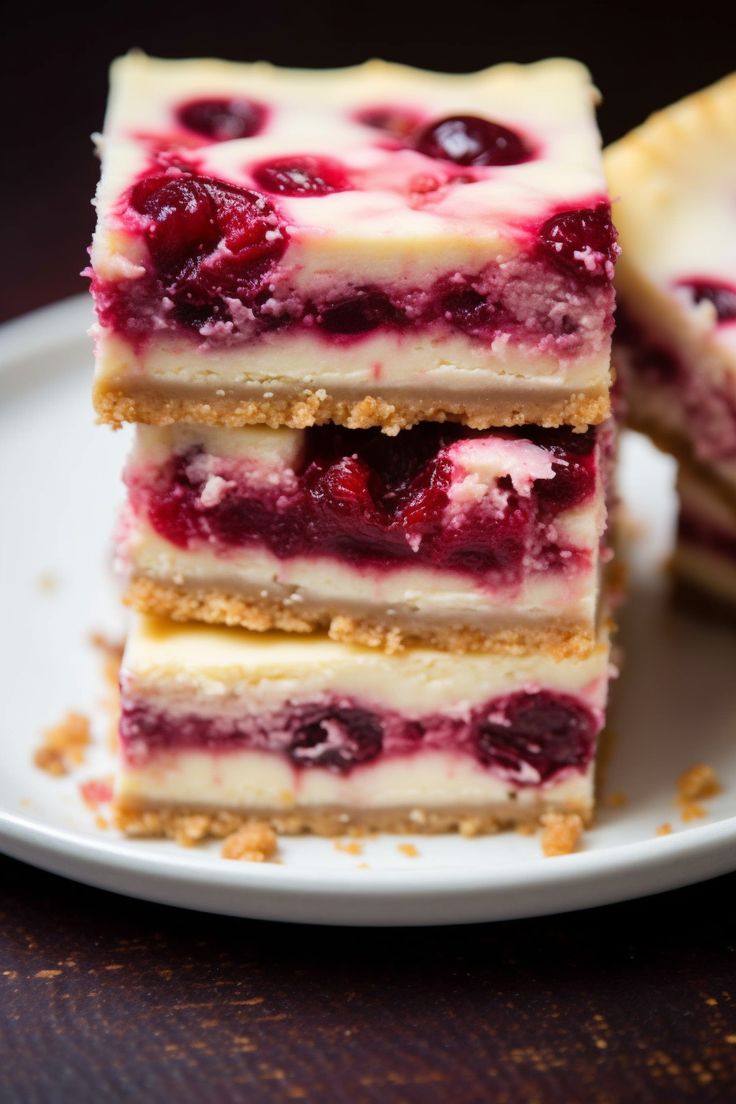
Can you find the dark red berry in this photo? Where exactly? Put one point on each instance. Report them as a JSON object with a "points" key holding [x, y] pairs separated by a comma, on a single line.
{"points": [[582, 242], [467, 309], [222, 120], [359, 313], [208, 239], [336, 738], [183, 218], [470, 140], [722, 296], [301, 176], [344, 488], [544, 731]]}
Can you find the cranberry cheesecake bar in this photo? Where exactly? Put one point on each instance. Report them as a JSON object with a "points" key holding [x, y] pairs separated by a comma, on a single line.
{"points": [[316, 735], [462, 539], [372, 246], [676, 333]]}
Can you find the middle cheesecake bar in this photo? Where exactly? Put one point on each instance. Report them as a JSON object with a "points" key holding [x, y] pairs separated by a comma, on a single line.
{"points": [[466, 540]]}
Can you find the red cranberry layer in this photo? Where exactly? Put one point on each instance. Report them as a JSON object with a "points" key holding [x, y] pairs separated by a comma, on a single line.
{"points": [[721, 295], [222, 120], [379, 501], [208, 241], [582, 242], [527, 738], [301, 176], [645, 358], [469, 140]]}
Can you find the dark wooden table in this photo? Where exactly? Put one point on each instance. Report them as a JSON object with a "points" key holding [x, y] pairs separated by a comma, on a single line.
{"points": [[107, 999]]}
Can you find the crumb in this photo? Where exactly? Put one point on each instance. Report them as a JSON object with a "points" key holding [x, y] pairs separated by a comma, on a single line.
{"points": [[191, 829], [64, 744], [731, 1039], [526, 828], [697, 782], [664, 829], [112, 655], [96, 791], [409, 849], [617, 800], [47, 973], [101, 823], [690, 810], [350, 847], [561, 833], [363, 866], [711, 1001], [254, 842], [47, 582]]}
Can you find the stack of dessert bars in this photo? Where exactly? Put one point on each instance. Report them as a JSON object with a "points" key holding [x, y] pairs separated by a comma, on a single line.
{"points": [[362, 321]]}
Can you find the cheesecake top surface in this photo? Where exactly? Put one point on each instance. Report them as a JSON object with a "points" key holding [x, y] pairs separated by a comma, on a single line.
{"points": [[378, 152], [673, 182]]}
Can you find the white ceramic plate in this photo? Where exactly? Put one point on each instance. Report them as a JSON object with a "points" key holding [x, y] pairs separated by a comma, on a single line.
{"points": [[59, 487]]}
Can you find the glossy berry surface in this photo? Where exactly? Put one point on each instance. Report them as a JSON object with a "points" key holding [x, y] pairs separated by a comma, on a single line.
{"points": [[544, 731], [581, 242], [208, 240], [722, 296], [301, 176], [359, 313], [222, 120], [470, 140]]}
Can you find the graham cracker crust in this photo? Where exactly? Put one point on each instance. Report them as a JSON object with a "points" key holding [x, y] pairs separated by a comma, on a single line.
{"points": [[220, 607], [579, 410], [190, 825], [676, 445]]}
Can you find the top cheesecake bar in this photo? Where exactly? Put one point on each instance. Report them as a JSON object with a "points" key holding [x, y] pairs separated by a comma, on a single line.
{"points": [[372, 246]]}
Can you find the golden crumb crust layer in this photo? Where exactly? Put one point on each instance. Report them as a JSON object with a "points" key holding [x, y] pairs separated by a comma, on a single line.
{"points": [[677, 445], [190, 825], [579, 410], [220, 607]]}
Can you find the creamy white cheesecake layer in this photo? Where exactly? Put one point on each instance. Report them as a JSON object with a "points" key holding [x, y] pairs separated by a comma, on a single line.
{"points": [[257, 780], [308, 583], [231, 672], [418, 365]]}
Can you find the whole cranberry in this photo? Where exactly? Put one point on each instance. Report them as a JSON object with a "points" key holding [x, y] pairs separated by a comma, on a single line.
{"points": [[471, 140], [221, 119]]}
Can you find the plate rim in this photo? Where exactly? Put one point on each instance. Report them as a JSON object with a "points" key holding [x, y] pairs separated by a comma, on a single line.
{"points": [[599, 872]]}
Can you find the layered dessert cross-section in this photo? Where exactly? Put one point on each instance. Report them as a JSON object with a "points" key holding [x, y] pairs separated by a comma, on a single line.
{"points": [[315, 735], [371, 246], [462, 539], [675, 345]]}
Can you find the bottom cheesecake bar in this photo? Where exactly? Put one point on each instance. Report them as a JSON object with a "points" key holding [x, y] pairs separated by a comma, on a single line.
{"points": [[705, 552], [315, 735]]}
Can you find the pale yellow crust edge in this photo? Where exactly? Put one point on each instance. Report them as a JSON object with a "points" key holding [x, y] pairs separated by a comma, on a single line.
{"points": [[189, 825], [218, 607], [579, 409], [676, 445]]}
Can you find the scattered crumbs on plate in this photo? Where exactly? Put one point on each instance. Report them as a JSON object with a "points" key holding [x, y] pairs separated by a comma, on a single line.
{"points": [[527, 828], [47, 973], [561, 833], [694, 784], [349, 847], [616, 800], [363, 866], [64, 744], [254, 842], [47, 582], [409, 849], [731, 1039], [664, 829]]}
